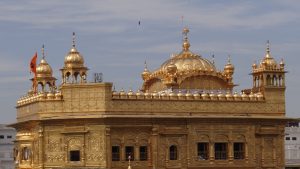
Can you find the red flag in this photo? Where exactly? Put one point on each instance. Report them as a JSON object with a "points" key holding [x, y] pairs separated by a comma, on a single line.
{"points": [[33, 63], [32, 67]]}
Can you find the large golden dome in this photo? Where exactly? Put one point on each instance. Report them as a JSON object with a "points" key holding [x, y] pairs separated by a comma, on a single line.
{"points": [[43, 69], [74, 58], [187, 61], [188, 70]]}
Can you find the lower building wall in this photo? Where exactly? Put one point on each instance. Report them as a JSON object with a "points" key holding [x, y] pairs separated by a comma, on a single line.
{"points": [[155, 144]]}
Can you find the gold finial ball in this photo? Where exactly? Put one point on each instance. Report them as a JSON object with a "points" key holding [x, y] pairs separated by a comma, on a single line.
{"points": [[145, 74], [254, 66], [281, 64], [186, 45], [185, 30], [229, 69]]}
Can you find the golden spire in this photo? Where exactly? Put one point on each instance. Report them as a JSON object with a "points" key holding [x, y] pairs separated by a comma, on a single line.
{"points": [[229, 59], [146, 72], [43, 51], [73, 40], [186, 44], [145, 66], [268, 49]]}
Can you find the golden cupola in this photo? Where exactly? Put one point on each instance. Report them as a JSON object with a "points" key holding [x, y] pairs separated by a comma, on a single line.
{"points": [[268, 62], [268, 73], [74, 70], [43, 69], [73, 59], [186, 70], [229, 69], [44, 75], [145, 74]]}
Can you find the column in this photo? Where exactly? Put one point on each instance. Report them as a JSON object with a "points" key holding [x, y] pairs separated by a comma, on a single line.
{"points": [[41, 148], [211, 152], [154, 145], [108, 147]]}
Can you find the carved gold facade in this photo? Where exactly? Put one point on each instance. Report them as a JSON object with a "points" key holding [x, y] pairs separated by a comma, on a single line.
{"points": [[185, 116]]}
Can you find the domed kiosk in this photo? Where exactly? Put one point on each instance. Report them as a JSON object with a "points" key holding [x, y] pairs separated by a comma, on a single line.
{"points": [[74, 70], [44, 76]]}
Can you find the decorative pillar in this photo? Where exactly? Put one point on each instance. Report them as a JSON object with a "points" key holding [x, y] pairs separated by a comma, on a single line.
{"points": [[154, 146], [246, 152], [41, 147], [211, 152], [108, 148], [136, 152], [230, 151]]}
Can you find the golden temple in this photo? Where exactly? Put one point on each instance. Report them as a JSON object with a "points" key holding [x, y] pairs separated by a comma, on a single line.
{"points": [[185, 116]]}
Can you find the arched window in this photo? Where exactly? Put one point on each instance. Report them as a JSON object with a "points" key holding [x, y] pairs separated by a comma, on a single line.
{"points": [[26, 153], [269, 80], [173, 152]]}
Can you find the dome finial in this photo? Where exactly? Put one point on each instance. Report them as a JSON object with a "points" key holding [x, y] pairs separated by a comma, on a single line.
{"points": [[268, 49], [186, 43], [145, 65], [73, 40], [43, 51], [229, 59], [213, 59], [185, 32]]}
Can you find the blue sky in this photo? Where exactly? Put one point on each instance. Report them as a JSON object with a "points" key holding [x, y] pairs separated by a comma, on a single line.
{"points": [[112, 42]]}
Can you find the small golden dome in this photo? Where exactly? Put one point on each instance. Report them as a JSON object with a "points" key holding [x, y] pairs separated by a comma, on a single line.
{"points": [[130, 93], [146, 72], [179, 94], [74, 58], [188, 94], [228, 94], [268, 60], [163, 94], [254, 66], [244, 96], [229, 68], [236, 96], [139, 93], [43, 69], [122, 93], [252, 96], [155, 95], [220, 94], [205, 96], [196, 94], [171, 68], [58, 95], [259, 96], [50, 95], [172, 94], [281, 64], [147, 95], [212, 95]]}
